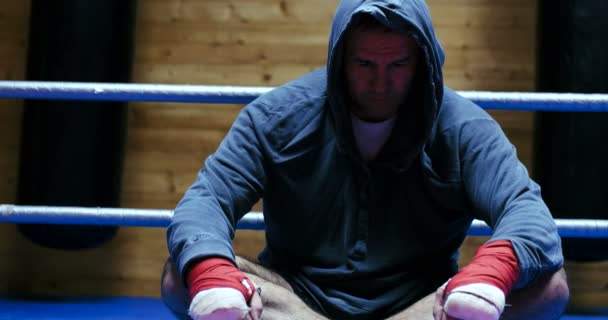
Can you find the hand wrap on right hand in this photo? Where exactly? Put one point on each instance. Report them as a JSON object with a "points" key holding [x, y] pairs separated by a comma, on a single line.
{"points": [[219, 290]]}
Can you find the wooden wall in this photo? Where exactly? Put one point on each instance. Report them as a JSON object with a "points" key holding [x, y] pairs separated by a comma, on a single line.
{"points": [[490, 45], [13, 42]]}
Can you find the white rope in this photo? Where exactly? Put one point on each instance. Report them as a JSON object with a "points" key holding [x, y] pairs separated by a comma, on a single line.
{"points": [[573, 228], [528, 101]]}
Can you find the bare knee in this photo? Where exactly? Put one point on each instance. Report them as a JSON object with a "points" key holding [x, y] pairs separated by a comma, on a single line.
{"points": [[171, 281], [546, 298], [556, 294], [173, 291], [557, 289]]}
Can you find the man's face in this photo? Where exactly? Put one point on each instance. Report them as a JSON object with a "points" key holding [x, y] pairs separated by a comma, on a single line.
{"points": [[379, 68]]}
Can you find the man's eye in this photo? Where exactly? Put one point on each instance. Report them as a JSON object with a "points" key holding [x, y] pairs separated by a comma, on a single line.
{"points": [[363, 63]]}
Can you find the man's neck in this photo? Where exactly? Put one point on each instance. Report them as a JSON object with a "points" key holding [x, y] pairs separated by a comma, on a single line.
{"points": [[371, 136]]}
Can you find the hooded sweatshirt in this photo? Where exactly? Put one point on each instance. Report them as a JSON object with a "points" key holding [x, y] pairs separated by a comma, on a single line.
{"points": [[357, 239]]}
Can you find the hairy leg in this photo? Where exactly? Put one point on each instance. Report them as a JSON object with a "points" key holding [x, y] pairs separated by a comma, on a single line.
{"points": [[421, 310], [278, 298], [250, 267]]}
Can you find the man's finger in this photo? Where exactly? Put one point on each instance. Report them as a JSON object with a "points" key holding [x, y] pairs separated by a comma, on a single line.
{"points": [[256, 305], [438, 313]]}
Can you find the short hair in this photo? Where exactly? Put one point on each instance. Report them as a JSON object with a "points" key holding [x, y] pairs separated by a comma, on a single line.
{"points": [[366, 21]]}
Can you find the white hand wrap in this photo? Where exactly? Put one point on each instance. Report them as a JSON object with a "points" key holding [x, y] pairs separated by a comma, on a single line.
{"points": [[218, 303], [476, 301]]}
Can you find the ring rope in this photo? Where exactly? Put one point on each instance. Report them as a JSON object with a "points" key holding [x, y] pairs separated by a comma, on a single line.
{"points": [[528, 101], [571, 228]]}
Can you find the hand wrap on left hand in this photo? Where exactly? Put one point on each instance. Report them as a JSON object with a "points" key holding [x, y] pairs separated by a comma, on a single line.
{"points": [[479, 290]]}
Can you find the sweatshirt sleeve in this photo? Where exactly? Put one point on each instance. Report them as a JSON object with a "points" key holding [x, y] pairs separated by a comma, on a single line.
{"points": [[503, 195], [226, 188]]}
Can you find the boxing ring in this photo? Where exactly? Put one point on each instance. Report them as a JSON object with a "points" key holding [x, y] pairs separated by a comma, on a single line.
{"points": [[152, 308]]}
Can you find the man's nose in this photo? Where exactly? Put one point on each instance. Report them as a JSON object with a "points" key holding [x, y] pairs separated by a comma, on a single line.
{"points": [[381, 80]]}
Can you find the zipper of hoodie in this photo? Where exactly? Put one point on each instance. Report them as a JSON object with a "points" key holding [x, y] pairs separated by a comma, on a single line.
{"points": [[361, 232]]}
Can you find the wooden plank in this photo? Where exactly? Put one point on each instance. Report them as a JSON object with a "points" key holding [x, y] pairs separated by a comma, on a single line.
{"points": [[14, 25], [239, 54], [11, 51], [10, 123], [182, 116], [8, 190], [511, 39], [588, 275], [514, 120], [496, 14], [12, 72], [168, 182], [161, 200], [462, 58], [9, 163], [177, 140], [193, 32], [10, 138], [157, 161], [496, 3], [220, 74], [239, 11], [588, 283], [10, 133], [13, 36], [18, 10], [589, 299], [489, 80]]}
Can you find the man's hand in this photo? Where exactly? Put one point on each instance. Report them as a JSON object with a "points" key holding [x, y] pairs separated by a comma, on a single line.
{"points": [[479, 290], [219, 290], [225, 304], [478, 301]]}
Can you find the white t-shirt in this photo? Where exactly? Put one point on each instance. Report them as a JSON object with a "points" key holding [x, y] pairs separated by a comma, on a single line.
{"points": [[371, 136]]}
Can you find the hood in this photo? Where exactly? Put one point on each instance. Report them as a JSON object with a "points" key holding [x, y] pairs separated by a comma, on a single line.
{"points": [[413, 126]]}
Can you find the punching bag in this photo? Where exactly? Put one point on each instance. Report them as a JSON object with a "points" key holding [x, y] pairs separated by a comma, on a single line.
{"points": [[571, 157], [72, 151]]}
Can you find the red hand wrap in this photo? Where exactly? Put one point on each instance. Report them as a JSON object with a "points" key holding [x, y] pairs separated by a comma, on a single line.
{"points": [[495, 263], [218, 273]]}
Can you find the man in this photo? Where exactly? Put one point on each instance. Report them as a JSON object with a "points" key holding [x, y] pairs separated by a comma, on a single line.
{"points": [[371, 173]]}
